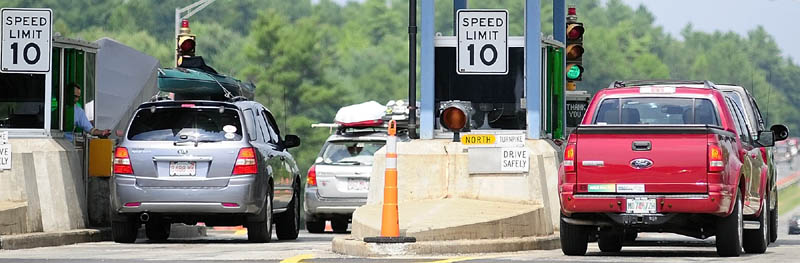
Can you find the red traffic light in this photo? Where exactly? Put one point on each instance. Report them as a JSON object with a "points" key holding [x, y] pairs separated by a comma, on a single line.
{"points": [[185, 23], [187, 46], [574, 31]]}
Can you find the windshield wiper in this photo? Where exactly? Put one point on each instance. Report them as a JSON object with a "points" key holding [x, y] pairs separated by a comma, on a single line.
{"points": [[196, 142], [350, 162]]}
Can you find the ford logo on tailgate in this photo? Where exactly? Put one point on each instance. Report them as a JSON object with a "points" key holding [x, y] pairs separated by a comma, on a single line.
{"points": [[641, 163]]}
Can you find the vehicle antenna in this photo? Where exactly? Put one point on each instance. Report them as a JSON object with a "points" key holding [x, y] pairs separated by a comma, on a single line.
{"points": [[769, 92]]}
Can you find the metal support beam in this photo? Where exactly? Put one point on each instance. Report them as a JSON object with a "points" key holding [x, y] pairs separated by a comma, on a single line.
{"points": [[427, 69], [533, 68], [457, 5], [412, 69], [560, 34]]}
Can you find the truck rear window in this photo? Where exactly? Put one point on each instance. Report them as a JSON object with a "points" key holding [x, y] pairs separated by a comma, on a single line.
{"points": [[182, 124], [656, 111]]}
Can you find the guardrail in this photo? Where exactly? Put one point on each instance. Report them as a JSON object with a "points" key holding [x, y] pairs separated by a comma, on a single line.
{"points": [[789, 180]]}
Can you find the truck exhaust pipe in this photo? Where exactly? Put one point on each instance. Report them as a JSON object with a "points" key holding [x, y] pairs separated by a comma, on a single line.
{"points": [[144, 217]]}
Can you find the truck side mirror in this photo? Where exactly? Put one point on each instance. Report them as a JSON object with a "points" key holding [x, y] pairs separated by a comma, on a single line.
{"points": [[780, 131], [766, 139]]}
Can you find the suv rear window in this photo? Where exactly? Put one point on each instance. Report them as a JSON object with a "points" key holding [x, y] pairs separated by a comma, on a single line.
{"points": [[181, 124], [656, 111], [351, 152]]}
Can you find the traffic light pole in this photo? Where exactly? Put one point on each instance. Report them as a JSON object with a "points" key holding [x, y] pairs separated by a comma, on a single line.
{"points": [[192, 9], [412, 69]]}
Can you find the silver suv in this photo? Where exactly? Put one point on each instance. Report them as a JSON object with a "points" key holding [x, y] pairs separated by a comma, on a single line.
{"points": [[338, 182], [221, 163]]}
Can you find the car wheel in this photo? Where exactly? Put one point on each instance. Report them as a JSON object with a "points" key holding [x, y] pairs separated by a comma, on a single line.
{"points": [[339, 225], [124, 232], [157, 230], [574, 238], [730, 231], [315, 226], [756, 240], [610, 240], [261, 232], [288, 224], [773, 222]]}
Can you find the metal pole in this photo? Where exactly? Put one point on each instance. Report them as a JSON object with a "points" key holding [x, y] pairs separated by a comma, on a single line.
{"points": [[412, 69], [427, 53], [457, 5], [533, 68]]}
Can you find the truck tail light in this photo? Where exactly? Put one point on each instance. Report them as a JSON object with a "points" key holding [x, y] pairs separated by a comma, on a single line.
{"points": [[246, 162], [715, 163], [569, 158], [122, 161], [311, 179]]}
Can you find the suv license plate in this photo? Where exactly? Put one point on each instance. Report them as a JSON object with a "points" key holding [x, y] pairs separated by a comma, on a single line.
{"points": [[182, 169], [357, 184], [641, 206]]}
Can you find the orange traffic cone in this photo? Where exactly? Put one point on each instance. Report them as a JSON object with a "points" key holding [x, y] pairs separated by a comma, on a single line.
{"points": [[328, 227], [390, 220]]}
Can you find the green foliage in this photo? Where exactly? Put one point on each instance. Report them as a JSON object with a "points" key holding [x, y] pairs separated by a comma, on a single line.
{"points": [[308, 59]]}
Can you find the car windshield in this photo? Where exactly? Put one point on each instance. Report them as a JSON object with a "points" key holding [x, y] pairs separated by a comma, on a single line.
{"points": [[186, 124], [350, 152], [656, 111]]}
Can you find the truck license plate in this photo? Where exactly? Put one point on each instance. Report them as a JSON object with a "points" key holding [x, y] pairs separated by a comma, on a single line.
{"points": [[354, 184], [641, 206], [182, 168]]}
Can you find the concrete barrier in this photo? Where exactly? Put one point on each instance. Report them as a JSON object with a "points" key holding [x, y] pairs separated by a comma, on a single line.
{"points": [[447, 208]]}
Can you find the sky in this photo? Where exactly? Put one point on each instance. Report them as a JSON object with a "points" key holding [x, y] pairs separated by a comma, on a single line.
{"points": [[776, 16]]}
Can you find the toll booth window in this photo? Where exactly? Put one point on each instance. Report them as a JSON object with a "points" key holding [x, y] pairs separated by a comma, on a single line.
{"points": [[22, 104], [186, 124]]}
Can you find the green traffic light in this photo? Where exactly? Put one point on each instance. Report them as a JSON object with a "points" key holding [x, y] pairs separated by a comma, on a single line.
{"points": [[574, 72]]}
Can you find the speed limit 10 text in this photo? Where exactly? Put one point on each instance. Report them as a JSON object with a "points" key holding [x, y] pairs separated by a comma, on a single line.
{"points": [[25, 21]]}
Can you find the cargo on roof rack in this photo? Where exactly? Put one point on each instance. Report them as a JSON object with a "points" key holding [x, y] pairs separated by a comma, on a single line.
{"points": [[197, 81]]}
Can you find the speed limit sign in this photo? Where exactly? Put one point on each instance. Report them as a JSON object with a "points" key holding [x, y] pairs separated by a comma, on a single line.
{"points": [[26, 40], [482, 42]]}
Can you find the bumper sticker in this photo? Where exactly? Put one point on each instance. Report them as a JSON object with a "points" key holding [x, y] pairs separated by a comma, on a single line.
{"points": [[630, 188], [601, 188]]}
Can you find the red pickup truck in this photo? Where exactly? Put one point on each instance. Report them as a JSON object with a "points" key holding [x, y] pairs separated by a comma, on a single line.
{"points": [[660, 156]]}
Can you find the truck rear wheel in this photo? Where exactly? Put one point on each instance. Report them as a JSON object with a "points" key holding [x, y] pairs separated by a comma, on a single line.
{"points": [[756, 240], [574, 238], [610, 240], [730, 231]]}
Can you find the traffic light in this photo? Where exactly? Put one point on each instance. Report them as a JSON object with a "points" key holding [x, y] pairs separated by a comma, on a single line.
{"points": [[574, 50], [186, 42]]}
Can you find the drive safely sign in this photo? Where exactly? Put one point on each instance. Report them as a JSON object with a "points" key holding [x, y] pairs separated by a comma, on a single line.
{"points": [[482, 42], [515, 160]]}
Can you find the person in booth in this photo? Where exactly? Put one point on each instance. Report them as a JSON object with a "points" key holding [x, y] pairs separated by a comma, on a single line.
{"points": [[80, 119]]}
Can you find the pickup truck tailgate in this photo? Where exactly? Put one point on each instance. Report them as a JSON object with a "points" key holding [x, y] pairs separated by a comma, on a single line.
{"points": [[642, 162]]}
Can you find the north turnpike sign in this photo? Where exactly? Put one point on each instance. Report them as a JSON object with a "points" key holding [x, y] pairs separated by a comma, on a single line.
{"points": [[26, 40]]}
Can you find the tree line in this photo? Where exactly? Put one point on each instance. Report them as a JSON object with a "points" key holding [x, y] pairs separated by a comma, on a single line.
{"points": [[308, 58]]}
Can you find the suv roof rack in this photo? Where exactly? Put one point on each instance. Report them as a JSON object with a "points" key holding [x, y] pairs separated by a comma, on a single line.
{"points": [[621, 84], [238, 98]]}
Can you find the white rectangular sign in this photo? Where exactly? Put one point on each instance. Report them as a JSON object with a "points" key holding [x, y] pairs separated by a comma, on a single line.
{"points": [[515, 160], [482, 42], [5, 157], [26, 40]]}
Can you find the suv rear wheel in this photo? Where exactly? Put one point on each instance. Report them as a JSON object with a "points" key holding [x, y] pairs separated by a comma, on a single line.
{"points": [[574, 238], [730, 231], [261, 231], [288, 224], [157, 230], [124, 231]]}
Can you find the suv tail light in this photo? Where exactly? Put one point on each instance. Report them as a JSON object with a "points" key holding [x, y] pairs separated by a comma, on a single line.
{"points": [[569, 158], [246, 162], [311, 179], [715, 163], [122, 162]]}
